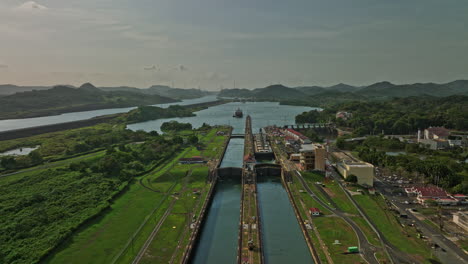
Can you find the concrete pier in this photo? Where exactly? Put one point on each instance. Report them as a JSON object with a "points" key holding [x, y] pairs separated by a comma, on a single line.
{"points": [[250, 238]]}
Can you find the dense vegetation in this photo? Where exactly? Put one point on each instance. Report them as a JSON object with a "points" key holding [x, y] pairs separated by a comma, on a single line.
{"points": [[396, 116], [145, 113], [175, 126], [176, 93], [314, 116], [445, 168], [60, 145], [54, 201], [62, 99]]}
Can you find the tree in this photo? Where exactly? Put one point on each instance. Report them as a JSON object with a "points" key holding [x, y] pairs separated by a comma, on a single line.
{"points": [[352, 178], [340, 143], [35, 157], [178, 140], [8, 163], [193, 139]]}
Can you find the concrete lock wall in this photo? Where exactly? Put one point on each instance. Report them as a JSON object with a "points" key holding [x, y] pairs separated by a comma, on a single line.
{"points": [[229, 172], [268, 170]]}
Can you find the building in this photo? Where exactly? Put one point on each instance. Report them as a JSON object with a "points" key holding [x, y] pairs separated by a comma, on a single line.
{"points": [[313, 157], [436, 133], [320, 157], [296, 157], [435, 143], [297, 136], [343, 115], [429, 192], [362, 170], [314, 211], [461, 219], [307, 159]]}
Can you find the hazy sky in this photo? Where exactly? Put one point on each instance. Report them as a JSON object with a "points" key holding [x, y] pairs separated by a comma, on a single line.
{"points": [[209, 43]]}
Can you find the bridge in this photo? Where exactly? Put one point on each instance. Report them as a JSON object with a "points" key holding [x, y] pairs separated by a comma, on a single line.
{"points": [[312, 125], [237, 135]]}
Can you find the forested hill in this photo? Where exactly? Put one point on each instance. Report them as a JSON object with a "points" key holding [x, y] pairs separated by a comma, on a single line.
{"points": [[162, 90], [176, 93], [396, 116], [62, 99], [319, 96]]}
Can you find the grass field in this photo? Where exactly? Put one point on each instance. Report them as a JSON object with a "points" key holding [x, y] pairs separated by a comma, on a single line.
{"points": [[402, 238], [334, 228], [108, 239], [329, 228]]}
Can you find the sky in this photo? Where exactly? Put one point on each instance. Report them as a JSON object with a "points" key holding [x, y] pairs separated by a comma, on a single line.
{"points": [[212, 43]]}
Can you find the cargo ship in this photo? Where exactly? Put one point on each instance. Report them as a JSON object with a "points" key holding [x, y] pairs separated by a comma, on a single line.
{"points": [[238, 113]]}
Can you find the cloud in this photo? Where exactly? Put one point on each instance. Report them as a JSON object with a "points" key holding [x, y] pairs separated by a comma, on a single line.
{"points": [[181, 67], [151, 68], [312, 34], [31, 5], [214, 76], [3, 66]]}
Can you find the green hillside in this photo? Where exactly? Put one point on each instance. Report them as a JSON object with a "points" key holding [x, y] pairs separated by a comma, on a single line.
{"points": [[62, 99]]}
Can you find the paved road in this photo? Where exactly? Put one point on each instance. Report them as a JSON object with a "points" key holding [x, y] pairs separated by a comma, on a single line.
{"points": [[453, 253], [366, 249]]}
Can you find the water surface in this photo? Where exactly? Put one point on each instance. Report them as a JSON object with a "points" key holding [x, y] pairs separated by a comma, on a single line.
{"points": [[12, 124], [19, 151], [263, 114], [283, 241]]}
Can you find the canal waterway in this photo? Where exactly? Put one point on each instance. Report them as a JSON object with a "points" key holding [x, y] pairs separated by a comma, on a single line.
{"points": [[283, 241], [12, 124], [218, 239], [263, 114]]}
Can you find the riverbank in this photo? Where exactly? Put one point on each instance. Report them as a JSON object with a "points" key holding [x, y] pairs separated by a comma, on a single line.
{"points": [[37, 130]]}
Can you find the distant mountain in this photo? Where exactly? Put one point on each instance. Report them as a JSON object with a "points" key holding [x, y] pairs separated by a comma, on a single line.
{"points": [[236, 92], [7, 89], [162, 90], [62, 99], [343, 92], [341, 87], [277, 91], [311, 90], [386, 89]]}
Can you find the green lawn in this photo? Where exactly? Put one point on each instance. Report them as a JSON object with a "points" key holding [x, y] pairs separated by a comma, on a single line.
{"points": [[137, 211], [333, 190], [329, 228], [368, 232], [163, 246], [334, 228], [403, 238]]}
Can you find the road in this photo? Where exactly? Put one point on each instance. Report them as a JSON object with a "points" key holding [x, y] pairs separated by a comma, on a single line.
{"points": [[366, 249], [453, 253]]}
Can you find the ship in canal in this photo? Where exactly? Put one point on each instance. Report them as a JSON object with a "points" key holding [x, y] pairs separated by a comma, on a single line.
{"points": [[238, 113]]}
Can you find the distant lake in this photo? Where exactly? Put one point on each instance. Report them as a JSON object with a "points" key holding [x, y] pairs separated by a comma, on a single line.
{"points": [[263, 114], [12, 124]]}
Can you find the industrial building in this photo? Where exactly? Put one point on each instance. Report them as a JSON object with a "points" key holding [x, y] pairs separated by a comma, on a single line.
{"points": [[313, 157], [362, 170]]}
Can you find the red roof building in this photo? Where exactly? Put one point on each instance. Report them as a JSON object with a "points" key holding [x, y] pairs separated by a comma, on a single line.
{"points": [[436, 133], [314, 211], [424, 193]]}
